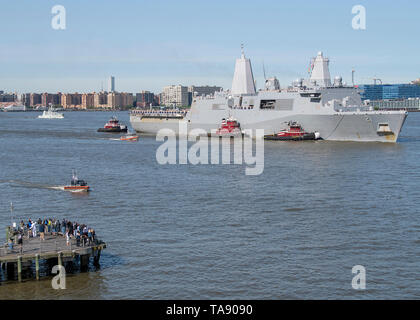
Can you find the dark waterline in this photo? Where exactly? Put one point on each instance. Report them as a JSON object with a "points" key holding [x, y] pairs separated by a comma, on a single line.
{"points": [[198, 232]]}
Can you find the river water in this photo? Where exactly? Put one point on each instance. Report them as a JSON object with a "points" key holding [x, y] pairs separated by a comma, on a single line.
{"points": [[210, 231]]}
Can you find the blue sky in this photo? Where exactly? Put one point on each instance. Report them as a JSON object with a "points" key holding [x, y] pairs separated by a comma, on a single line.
{"points": [[149, 44]]}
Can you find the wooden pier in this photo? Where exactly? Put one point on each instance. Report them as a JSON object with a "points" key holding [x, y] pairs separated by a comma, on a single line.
{"points": [[51, 251]]}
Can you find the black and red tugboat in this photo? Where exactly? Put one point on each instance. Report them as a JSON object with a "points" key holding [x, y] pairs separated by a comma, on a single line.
{"points": [[294, 132], [113, 126]]}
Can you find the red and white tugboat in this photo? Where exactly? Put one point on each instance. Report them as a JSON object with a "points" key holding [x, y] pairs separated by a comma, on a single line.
{"points": [[295, 132], [230, 128], [77, 185], [113, 125]]}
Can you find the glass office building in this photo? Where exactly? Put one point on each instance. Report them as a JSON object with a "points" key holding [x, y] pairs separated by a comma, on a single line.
{"points": [[389, 91]]}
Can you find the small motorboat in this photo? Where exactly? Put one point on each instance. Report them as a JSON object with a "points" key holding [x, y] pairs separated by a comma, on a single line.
{"points": [[51, 114], [77, 185], [130, 137], [229, 128], [113, 126], [295, 132]]}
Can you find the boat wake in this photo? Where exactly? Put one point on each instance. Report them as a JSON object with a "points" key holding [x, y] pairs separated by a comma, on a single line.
{"points": [[27, 184]]}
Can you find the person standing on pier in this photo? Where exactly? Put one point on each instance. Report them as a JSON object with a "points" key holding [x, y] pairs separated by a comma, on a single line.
{"points": [[20, 241], [45, 223], [68, 238], [29, 228], [63, 227], [78, 237], [90, 236], [42, 231], [33, 227]]}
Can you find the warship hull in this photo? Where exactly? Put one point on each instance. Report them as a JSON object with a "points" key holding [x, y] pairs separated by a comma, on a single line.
{"points": [[345, 126], [335, 110]]}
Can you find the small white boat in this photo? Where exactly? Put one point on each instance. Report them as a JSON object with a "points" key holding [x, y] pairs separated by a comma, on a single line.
{"points": [[51, 114]]}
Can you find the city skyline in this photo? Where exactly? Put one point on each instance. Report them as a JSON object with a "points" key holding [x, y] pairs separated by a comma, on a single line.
{"points": [[150, 51]]}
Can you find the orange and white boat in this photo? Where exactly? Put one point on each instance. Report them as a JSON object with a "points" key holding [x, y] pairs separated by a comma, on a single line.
{"points": [[130, 137], [77, 185]]}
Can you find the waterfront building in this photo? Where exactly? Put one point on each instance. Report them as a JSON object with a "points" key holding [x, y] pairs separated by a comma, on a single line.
{"points": [[157, 99], [145, 99], [411, 104], [7, 97], [100, 100], [35, 99], [88, 100], [389, 91], [71, 100], [45, 99], [50, 99], [113, 99], [65, 100], [123, 99], [127, 99], [175, 96], [25, 99]]}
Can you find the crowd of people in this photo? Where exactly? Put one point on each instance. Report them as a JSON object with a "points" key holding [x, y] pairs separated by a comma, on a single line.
{"points": [[83, 234]]}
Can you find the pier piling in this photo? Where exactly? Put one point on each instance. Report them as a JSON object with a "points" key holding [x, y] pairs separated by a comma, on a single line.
{"points": [[60, 259], [84, 262], [97, 257], [54, 250], [19, 267], [37, 266]]}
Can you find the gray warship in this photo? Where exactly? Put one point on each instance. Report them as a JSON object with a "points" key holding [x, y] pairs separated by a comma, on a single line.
{"points": [[318, 104]]}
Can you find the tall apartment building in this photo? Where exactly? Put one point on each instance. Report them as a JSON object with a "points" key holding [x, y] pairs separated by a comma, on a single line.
{"points": [[26, 99], [7, 97], [111, 84], [65, 100], [127, 99], [88, 100], [175, 96], [145, 99], [123, 99], [71, 100], [35, 99], [158, 99], [48, 98], [100, 100]]}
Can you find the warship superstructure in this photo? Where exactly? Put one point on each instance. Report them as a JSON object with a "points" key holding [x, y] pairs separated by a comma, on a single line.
{"points": [[318, 104]]}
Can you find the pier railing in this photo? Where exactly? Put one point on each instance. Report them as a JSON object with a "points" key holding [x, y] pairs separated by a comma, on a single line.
{"points": [[160, 113], [51, 244]]}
